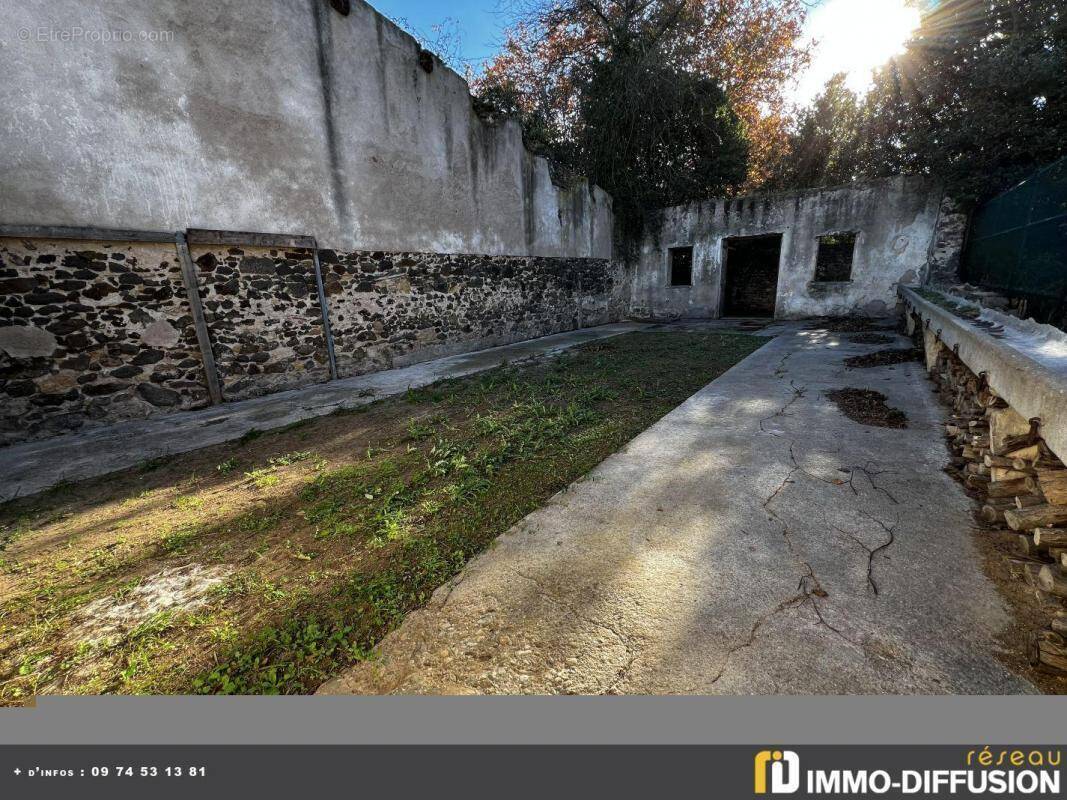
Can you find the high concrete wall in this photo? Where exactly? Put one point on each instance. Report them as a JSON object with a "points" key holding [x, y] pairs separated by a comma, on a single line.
{"points": [[276, 116], [895, 220]]}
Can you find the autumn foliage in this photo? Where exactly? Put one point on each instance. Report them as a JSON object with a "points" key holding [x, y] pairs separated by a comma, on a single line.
{"points": [[732, 58]]}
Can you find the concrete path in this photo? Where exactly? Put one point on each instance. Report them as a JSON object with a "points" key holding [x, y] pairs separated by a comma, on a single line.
{"points": [[35, 466], [755, 540]]}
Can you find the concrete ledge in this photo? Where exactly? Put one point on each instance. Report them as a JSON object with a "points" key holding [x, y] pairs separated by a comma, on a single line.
{"points": [[1030, 387]]}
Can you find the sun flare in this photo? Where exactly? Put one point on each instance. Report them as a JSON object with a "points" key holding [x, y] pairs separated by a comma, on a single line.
{"points": [[854, 37]]}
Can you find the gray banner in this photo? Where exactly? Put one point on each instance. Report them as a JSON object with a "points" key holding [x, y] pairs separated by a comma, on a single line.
{"points": [[536, 720]]}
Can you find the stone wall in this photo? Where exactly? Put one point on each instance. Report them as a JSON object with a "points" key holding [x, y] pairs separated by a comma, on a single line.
{"points": [[262, 309], [92, 332], [390, 309], [946, 249], [96, 332]]}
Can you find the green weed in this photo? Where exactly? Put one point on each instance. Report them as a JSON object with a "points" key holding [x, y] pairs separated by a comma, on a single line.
{"points": [[227, 466]]}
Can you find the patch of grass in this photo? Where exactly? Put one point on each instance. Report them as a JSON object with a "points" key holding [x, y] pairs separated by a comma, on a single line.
{"points": [[519, 439], [9, 534], [227, 466], [304, 651], [421, 428], [297, 653], [257, 522], [393, 501], [189, 503], [263, 478], [290, 458], [178, 540], [248, 583]]}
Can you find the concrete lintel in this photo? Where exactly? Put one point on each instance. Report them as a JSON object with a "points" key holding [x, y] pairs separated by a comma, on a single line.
{"points": [[1031, 388], [249, 238], [84, 233]]}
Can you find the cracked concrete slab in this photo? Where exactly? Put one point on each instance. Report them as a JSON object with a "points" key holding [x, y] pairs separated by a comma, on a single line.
{"points": [[34, 466], [753, 541]]}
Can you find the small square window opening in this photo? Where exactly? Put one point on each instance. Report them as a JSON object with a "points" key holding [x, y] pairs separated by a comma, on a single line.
{"points": [[681, 260], [834, 261]]}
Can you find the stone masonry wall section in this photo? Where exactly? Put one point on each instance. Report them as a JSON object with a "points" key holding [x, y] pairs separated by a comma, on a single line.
{"points": [[92, 332], [392, 309], [947, 245], [262, 310]]}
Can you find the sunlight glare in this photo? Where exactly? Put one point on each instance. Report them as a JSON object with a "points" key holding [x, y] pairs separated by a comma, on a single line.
{"points": [[853, 36]]}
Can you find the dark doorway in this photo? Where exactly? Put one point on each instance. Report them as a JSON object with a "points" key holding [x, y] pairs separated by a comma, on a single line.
{"points": [[751, 285]]}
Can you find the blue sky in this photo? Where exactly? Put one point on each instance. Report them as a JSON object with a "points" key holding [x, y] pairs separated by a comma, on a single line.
{"points": [[851, 36], [480, 21]]}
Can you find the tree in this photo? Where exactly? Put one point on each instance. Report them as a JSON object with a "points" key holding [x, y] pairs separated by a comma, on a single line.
{"points": [[745, 47], [978, 98], [655, 137], [825, 146]]}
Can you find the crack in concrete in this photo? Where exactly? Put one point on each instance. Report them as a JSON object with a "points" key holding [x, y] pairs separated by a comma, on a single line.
{"points": [[809, 585], [780, 370], [867, 470], [890, 530], [750, 639], [872, 551], [798, 393]]}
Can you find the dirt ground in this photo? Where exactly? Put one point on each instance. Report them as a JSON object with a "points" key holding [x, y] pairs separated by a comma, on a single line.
{"points": [[269, 564]]}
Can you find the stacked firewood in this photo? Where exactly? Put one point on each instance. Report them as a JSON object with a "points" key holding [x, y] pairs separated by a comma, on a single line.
{"points": [[1003, 460]]}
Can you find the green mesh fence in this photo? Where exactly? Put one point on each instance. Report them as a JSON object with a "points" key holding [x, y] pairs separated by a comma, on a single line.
{"points": [[1018, 244]]}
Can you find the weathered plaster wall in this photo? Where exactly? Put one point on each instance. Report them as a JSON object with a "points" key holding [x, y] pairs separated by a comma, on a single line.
{"points": [[95, 332], [91, 332], [895, 220], [281, 116]]}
